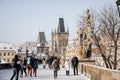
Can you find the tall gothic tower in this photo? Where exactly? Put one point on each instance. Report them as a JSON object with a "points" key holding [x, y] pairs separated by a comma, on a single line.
{"points": [[60, 38]]}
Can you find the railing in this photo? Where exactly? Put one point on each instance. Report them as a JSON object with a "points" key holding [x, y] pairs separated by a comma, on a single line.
{"points": [[98, 73], [5, 66]]}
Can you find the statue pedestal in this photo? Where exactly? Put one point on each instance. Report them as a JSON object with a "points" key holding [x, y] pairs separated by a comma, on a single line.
{"points": [[85, 61]]}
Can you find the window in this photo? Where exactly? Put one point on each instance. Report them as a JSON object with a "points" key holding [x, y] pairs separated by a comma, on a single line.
{"points": [[8, 53], [8, 60], [5, 47], [12, 54], [4, 54]]}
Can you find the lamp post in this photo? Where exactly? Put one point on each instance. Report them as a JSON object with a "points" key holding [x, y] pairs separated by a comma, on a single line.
{"points": [[118, 4], [26, 52]]}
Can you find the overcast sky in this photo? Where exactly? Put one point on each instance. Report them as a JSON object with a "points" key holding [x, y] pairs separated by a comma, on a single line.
{"points": [[21, 20]]}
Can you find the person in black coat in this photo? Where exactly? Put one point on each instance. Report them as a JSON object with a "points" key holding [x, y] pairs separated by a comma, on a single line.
{"points": [[75, 65], [16, 67], [35, 66], [23, 67]]}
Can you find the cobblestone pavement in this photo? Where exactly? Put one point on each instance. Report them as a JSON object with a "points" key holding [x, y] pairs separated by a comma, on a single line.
{"points": [[43, 74]]}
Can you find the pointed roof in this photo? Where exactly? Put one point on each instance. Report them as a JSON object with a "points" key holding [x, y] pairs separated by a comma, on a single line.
{"points": [[41, 38], [61, 27], [68, 30]]}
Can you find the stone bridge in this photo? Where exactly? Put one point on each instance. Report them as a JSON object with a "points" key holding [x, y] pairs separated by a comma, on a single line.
{"points": [[87, 71], [98, 73]]}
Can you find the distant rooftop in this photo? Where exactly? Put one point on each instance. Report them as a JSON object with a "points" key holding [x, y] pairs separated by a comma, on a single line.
{"points": [[6, 46]]}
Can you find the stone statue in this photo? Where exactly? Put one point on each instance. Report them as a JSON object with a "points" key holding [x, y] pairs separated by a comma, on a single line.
{"points": [[87, 18]]}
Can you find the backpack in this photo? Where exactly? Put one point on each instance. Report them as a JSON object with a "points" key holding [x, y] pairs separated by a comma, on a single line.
{"points": [[56, 65]]}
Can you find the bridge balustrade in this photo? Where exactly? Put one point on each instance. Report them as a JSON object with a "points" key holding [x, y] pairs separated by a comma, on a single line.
{"points": [[5, 66], [98, 73]]}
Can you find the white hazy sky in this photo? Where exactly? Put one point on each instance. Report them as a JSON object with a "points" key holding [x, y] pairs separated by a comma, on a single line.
{"points": [[21, 20]]}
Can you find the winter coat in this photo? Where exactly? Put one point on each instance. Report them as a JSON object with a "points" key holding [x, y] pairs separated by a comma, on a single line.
{"points": [[16, 63], [30, 61], [67, 65], [35, 63], [74, 61], [44, 63], [54, 64]]}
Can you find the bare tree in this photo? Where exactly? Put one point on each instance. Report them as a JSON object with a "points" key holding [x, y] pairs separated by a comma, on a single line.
{"points": [[106, 34], [110, 28]]}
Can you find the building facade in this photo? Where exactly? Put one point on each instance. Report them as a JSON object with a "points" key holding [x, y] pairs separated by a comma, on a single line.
{"points": [[7, 52]]}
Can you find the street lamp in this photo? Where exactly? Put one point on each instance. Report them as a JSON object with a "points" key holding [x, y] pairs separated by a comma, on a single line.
{"points": [[118, 4]]}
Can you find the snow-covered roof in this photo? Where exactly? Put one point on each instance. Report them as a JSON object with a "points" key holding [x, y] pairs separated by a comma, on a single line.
{"points": [[38, 45], [6, 46], [41, 54], [2, 61], [46, 45]]}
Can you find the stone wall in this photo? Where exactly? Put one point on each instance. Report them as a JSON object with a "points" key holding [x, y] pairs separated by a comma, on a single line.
{"points": [[5, 66], [85, 61], [98, 73]]}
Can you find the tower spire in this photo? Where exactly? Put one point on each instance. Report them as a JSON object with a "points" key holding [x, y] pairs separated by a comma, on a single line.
{"points": [[61, 27]]}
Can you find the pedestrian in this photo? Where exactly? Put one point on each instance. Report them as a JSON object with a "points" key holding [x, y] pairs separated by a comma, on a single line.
{"points": [[51, 61], [35, 66], [16, 67], [30, 64], [75, 65], [55, 66], [44, 63], [23, 67], [67, 66]]}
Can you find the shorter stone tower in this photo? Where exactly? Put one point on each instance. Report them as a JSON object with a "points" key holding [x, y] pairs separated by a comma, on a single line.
{"points": [[42, 46]]}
